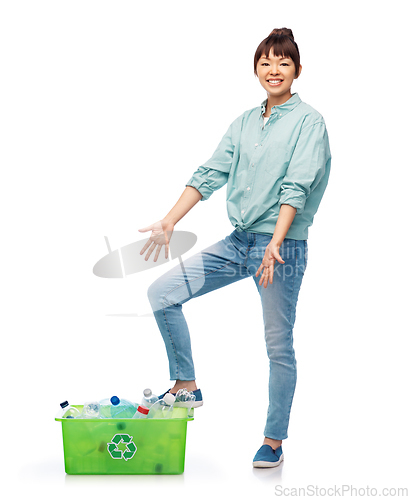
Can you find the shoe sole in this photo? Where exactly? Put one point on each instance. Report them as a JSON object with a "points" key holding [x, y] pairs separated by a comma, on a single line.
{"points": [[264, 465]]}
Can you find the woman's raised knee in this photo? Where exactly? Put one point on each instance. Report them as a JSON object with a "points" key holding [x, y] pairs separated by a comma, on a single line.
{"points": [[155, 296]]}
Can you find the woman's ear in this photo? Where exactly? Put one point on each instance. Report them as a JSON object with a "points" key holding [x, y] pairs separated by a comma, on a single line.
{"points": [[299, 72]]}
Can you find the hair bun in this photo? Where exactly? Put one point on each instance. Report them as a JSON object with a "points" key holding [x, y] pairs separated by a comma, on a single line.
{"points": [[282, 31]]}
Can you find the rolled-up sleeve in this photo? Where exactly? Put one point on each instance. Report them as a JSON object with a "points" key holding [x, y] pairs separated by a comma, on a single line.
{"points": [[215, 172], [307, 166]]}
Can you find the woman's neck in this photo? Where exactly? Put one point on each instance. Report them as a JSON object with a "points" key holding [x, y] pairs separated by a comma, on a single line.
{"points": [[276, 101]]}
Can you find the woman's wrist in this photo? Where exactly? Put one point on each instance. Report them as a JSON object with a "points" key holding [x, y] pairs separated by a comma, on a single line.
{"points": [[276, 241], [168, 221]]}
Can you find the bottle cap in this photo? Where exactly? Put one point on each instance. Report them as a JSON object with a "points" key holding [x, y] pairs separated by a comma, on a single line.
{"points": [[64, 404], [115, 400], [169, 398], [143, 409], [147, 393]]}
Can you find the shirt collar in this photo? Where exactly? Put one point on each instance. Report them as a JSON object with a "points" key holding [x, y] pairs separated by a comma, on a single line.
{"points": [[282, 109]]}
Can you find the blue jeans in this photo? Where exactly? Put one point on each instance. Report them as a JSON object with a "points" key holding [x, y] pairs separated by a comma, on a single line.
{"points": [[234, 258]]}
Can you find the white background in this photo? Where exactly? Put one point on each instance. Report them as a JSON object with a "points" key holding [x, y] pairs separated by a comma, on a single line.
{"points": [[107, 108]]}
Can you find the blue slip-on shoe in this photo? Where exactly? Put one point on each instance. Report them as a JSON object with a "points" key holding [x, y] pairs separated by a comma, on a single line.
{"points": [[187, 404], [267, 457]]}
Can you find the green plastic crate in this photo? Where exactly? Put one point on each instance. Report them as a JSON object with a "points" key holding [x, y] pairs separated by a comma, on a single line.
{"points": [[125, 445]]}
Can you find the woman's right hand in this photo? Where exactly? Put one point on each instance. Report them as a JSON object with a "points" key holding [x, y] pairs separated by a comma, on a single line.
{"points": [[161, 234]]}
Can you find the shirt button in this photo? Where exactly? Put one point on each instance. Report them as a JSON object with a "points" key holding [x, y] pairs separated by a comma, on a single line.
{"points": [[248, 189], [281, 114], [256, 144], [242, 211]]}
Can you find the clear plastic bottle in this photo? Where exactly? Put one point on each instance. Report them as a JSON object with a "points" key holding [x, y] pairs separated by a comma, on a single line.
{"points": [[141, 412], [91, 410], [117, 408], [148, 398], [105, 408], [162, 408], [185, 399], [68, 411]]}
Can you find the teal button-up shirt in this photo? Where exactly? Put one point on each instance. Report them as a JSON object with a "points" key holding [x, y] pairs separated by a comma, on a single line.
{"points": [[287, 161]]}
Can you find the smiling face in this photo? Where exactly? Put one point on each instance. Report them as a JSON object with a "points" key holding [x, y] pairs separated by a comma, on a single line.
{"points": [[276, 75]]}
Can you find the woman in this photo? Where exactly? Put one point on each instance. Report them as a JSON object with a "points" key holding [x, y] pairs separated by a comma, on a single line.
{"points": [[276, 161]]}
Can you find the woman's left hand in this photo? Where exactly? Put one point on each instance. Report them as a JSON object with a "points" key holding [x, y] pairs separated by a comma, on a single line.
{"points": [[267, 265]]}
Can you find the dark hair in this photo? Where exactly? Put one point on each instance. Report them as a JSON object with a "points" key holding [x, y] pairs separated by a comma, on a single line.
{"points": [[281, 40]]}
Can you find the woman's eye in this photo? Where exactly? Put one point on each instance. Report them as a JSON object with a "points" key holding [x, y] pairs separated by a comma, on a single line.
{"points": [[266, 64]]}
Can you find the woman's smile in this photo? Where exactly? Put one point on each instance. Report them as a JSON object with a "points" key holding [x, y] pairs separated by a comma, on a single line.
{"points": [[275, 83]]}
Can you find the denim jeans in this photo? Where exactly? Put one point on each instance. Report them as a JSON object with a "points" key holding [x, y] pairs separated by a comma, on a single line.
{"points": [[234, 258]]}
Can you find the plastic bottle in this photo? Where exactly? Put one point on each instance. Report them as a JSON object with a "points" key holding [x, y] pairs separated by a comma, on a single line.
{"points": [[162, 408], [68, 411], [91, 410], [141, 412], [105, 408], [148, 398], [122, 408], [185, 399], [117, 408]]}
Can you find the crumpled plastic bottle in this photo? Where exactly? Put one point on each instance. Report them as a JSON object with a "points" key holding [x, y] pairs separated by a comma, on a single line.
{"points": [[185, 396], [185, 399], [91, 410], [162, 408]]}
